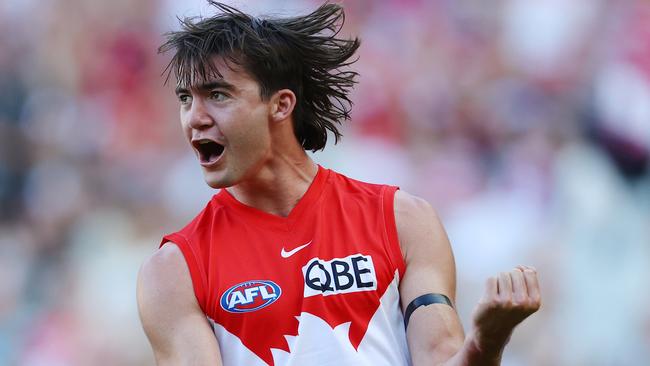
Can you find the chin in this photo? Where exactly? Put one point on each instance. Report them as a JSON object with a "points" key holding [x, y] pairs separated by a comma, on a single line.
{"points": [[217, 181], [217, 184]]}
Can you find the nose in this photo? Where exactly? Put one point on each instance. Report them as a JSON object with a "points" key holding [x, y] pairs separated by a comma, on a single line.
{"points": [[198, 116]]}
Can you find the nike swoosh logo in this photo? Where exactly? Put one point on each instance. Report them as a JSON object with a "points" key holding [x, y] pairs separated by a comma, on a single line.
{"points": [[288, 254]]}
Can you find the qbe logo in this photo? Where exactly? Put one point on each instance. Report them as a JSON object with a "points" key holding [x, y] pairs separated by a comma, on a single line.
{"points": [[353, 273], [250, 296]]}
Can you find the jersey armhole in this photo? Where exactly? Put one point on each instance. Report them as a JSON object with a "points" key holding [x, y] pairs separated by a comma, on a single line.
{"points": [[390, 228], [196, 271]]}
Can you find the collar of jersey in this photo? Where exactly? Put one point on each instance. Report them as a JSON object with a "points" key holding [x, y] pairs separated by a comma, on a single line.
{"points": [[306, 203]]}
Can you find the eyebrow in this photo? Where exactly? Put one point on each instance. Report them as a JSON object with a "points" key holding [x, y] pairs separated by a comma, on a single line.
{"points": [[215, 84]]}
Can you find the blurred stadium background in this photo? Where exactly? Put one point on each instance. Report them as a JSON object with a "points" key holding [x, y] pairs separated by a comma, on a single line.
{"points": [[525, 123]]}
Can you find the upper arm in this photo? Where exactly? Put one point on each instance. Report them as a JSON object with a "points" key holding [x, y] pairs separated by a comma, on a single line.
{"points": [[177, 329], [434, 333]]}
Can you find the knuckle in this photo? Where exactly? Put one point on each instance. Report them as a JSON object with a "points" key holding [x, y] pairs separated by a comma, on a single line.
{"points": [[515, 304], [532, 306], [520, 304]]}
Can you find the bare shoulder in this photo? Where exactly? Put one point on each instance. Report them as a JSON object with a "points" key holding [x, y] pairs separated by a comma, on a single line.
{"points": [[408, 200], [416, 219], [165, 294], [177, 328], [410, 206], [164, 275]]}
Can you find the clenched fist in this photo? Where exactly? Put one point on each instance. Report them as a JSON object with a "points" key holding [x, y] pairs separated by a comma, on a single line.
{"points": [[509, 299]]}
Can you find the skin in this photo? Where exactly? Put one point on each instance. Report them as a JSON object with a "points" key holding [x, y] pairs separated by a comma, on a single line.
{"points": [[435, 335], [263, 164], [177, 329], [265, 167]]}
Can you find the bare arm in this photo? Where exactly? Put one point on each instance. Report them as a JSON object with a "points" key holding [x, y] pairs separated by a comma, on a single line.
{"points": [[435, 335], [177, 329]]}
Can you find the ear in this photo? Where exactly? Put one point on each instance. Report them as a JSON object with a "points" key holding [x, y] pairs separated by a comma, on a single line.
{"points": [[283, 102]]}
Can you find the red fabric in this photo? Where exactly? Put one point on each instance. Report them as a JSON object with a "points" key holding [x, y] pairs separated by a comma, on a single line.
{"points": [[230, 243]]}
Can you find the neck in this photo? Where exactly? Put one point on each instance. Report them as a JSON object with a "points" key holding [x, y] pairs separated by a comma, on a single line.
{"points": [[279, 184]]}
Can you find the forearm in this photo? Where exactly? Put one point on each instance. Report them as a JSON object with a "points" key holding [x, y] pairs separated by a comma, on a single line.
{"points": [[187, 360], [475, 353]]}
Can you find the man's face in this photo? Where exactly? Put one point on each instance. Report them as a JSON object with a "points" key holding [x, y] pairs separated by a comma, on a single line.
{"points": [[227, 125]]}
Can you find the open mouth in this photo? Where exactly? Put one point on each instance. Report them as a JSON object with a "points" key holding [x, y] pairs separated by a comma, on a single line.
{"points": [[209, 151]]}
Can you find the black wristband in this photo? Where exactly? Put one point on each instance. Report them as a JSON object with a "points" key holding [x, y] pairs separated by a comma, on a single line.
{"points": [[424, 300]]}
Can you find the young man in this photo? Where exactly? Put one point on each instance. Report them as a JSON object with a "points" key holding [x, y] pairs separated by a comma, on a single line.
{"points": [[292, 263]]}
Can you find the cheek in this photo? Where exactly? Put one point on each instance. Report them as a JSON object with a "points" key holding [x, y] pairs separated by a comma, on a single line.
{"points": [[185, 126], [253, 132], [261, 136]]}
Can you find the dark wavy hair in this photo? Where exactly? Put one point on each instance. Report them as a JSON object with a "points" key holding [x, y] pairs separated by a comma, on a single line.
{"points": [[302, 53]]}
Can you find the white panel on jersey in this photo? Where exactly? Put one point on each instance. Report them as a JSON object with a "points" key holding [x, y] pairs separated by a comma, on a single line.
{"points": [[384, 343]]}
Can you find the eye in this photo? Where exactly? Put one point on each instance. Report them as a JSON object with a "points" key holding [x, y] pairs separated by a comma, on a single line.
{"points": [[218, 96], [184, 98]]}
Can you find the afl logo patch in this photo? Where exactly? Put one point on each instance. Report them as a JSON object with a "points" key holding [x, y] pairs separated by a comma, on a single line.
{"points": [[250, 296]]}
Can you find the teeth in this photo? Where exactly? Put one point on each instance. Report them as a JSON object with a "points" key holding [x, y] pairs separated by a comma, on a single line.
{"points": [[203, 142]]}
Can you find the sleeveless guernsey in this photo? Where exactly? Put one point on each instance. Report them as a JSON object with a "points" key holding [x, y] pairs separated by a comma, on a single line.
{"points": [[319, 287]]}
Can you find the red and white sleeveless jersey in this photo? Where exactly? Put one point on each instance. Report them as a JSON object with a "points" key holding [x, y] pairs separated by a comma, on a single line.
{"points": [[319, 287]]}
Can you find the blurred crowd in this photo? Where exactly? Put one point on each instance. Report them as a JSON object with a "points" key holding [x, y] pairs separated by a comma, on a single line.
{"points": [[525, 123]]}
